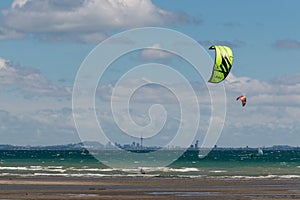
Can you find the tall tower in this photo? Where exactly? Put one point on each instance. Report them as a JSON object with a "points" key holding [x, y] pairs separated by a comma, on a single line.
{"points": [[142, 141]]}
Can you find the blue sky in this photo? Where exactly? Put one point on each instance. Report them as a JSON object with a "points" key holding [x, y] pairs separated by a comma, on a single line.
{"points": [[43, 43]]}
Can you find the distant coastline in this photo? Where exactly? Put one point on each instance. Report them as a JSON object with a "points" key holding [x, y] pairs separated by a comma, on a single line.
{"points": [[98, 146]]}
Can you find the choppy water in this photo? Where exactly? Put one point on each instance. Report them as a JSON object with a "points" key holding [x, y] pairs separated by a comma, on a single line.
{"points": [[218, 163]]}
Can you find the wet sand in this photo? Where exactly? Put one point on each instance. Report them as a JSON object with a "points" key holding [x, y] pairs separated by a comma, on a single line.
{"points": [[147, 188]]}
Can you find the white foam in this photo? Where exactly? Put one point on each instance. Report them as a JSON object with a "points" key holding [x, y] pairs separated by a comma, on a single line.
{"points": [[92, 169], [184, 169], [217, 171], [34, 168], [261, 177], [168, 169], [14, 168]]}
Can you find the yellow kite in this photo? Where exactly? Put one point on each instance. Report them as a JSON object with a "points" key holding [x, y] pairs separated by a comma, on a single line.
{"points": [[223, 63]]}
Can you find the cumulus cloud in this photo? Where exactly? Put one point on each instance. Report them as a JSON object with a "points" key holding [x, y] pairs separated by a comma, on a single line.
{"points": [[84, 20], [272, 109], [45, 127], [270, 112], [7, 34], [154, 52], [283, 91], [18, 3], [28, 82], [287, 80]]}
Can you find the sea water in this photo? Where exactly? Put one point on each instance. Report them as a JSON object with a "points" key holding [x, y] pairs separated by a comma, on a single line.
{"points": [[227, 163]]}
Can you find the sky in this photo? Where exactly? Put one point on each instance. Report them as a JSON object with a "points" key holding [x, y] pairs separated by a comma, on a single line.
{"points": [[43, 44]]}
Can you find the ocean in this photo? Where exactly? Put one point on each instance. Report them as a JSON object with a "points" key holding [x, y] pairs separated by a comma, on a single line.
{"points": [[219, 163]]}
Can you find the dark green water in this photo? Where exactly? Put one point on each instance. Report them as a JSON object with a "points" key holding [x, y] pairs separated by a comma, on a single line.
{"points": [[218, 163]]}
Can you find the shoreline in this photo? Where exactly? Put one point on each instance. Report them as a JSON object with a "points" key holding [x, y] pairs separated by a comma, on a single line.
{"points": [[44, 187]]}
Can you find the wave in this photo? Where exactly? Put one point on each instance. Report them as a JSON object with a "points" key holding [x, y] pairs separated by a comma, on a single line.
{"points": [[262, 177], [218, 171], [182, 172], [34, 168], [99, 175]]}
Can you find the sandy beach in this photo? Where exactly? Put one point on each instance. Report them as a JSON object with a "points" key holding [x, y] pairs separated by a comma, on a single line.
{"points": [[147, 188]]}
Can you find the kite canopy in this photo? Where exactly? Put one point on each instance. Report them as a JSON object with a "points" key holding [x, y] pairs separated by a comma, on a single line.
{"points": [[243, 100], [223, 63]]}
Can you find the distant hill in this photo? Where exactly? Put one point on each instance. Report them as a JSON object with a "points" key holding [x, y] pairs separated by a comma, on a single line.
{"points": [[98, 146], [77, 146]]}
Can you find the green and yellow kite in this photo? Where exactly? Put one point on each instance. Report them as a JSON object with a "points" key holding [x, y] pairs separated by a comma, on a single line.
{"points": [[223, 63]]}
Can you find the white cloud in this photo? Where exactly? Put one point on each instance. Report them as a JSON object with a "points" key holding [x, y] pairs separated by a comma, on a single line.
{"points": [[267, 102], [28, 82], [6, 34], [284, 91], [46, 127], [2, 63], [287, 80], [154, 52], [84, 20], [18, 3], [270, 116]]}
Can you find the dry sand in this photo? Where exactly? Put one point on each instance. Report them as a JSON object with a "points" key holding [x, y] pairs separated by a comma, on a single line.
{"points": [[147, 188]]}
